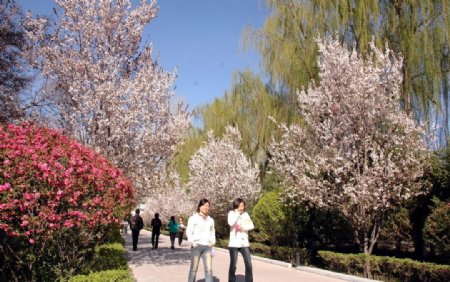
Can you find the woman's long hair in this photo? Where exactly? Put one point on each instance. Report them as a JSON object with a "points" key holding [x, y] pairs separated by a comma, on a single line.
{"points": [[201, 203], [237, 202]]}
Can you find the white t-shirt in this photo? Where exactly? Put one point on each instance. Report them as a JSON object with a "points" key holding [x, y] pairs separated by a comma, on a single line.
{"points": [[239, 239], [201, 230]]}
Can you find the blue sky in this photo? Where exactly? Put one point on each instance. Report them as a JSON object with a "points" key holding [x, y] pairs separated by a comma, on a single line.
{"points": [[201, 38]]}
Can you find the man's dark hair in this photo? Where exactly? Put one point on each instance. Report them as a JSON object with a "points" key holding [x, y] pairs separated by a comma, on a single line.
{"points": [[156, 215], [237, 202], [138, 211]]}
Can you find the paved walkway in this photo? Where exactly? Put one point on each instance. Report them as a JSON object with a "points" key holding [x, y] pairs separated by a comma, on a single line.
{"points": [[164, 265]]}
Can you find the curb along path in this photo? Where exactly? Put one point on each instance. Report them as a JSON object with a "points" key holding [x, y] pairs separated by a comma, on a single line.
{"points": [[165, 265]]}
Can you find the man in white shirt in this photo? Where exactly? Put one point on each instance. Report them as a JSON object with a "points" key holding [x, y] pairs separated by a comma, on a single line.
{"points": [[201, 234]]}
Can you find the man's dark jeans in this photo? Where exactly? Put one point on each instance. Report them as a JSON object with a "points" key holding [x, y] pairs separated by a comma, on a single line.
{"points": [[245, 251], [135, 236], [155, 239]]}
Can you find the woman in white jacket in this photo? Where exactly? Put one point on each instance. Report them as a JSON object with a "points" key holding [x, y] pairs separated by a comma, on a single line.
{"points": [[240, 223], [201, 234]]}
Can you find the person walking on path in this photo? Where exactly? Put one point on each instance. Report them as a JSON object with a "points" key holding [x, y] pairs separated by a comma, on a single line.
{"points": [[156, 231], [173, 231], [181, 230], [201, 234], [136, 224], [240, 223], [125, 226]]}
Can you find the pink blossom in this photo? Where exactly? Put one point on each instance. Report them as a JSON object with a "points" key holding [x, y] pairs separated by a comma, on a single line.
{"points": [[68, 223], [28, 196], [5, 187]]}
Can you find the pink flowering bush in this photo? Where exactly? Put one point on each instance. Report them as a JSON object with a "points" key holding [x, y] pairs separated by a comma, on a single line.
{"points": [[58, 199]]}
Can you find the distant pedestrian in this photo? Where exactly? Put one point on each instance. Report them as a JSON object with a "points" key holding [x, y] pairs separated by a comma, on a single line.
{"points": [[156, 231], [181, 230], [202, 235], [240, 223], [125, 226], [173, 231], [136, 224]]}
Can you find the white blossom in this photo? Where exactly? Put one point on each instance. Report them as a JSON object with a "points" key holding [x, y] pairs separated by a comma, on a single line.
{"points": [[103, 88], [359, 152], [220, 172], [168, 198]]}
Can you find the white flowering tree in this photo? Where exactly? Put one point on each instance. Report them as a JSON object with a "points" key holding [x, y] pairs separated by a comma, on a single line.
{"points": [[358, 151], [103, 88], [168, 198], [220, 172]]}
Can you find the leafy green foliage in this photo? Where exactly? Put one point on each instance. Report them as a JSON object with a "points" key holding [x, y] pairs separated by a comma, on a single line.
{"points": [[248, 107], [108, 257], [277, 223], [386, 268], [270, 218], [117, 275], [437, 231], [396, 228], [416, 29]]}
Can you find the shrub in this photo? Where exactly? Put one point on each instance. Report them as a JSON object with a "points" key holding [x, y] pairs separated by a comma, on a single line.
{"points": [[386, 268], [108, 257], [120, 275], [437, 231], [270, 218], [286, 254], [58, 199]]}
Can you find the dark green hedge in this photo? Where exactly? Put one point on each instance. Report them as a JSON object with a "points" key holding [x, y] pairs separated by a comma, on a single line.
{"points": [[286, 254], [386, 268], [108, 264], [108, 257], [117, 275]]}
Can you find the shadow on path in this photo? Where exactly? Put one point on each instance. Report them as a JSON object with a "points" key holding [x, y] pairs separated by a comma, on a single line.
{"points": [[164, 265], [160, 257], [239, 278]]}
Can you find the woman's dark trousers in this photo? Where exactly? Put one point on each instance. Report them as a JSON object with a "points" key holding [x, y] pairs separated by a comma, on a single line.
{"points": [[245, 251]]}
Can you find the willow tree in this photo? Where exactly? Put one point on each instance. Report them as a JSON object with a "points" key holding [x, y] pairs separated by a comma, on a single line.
{"points": [[419, 30], [247, 106]]}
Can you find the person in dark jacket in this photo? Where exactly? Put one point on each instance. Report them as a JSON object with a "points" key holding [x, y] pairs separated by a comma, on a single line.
{"points": [[136, 224], [156, 230]]}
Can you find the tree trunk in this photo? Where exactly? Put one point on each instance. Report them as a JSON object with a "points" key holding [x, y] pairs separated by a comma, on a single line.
{"points": [[417, 217], [367, 249]]}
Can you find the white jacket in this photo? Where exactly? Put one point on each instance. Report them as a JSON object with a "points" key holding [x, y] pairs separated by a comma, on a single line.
{"points": [[201, 230], [239, 239]]}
